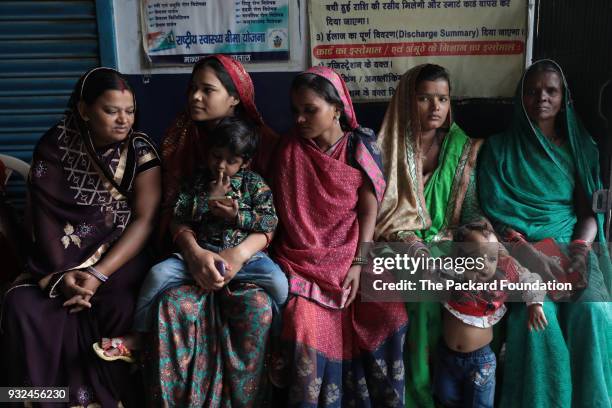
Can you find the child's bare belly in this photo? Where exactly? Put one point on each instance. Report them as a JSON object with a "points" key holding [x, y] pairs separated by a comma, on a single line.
{"points": [[462, 337]]}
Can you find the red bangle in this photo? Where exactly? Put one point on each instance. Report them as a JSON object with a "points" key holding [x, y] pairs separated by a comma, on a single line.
{"points": [[267, 241], [581, 242], [579, 246], [180, 231], [514, 237]]}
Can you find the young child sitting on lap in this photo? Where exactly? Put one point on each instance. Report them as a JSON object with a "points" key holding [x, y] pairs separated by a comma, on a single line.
{"points": [[221, 206], [465, 369]]}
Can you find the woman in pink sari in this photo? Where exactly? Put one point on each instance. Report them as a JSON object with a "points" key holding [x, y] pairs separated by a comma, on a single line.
{"points": [[336, 351]]}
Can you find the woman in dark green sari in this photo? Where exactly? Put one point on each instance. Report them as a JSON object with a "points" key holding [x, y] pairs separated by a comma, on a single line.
{"points": [[535, 182], [429, 165]]}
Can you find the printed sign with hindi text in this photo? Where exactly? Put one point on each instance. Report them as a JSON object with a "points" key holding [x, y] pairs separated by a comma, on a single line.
{"points": [[371, 43], [180, 32]]}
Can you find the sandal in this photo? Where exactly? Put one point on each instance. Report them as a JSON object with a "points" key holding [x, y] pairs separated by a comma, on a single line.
{"points": [[117, 342]]}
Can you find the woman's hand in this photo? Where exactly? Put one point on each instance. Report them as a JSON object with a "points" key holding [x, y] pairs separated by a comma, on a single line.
{"points": [[352, 281], [423, 271], [236, 258], [77, 291], [547, 267], [90, 283], [201, 264], [578, 263], [537, 318]]}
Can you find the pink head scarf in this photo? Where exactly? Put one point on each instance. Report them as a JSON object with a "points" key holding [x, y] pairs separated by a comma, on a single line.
{"points": [[340, 86]]}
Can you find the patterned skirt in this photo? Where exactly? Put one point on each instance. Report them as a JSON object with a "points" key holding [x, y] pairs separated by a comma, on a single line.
{"points": [[208, 349], [337, 358]]}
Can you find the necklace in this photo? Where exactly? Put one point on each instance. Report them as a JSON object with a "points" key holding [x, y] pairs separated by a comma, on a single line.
{"points": [[434, 141], [331, 148]]}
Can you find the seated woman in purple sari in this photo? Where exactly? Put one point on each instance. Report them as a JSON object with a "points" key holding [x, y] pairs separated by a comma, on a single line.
{"points": [[94, 189]]}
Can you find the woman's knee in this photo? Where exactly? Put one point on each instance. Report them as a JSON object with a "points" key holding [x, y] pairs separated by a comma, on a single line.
{"points": [[9, 305], [589, 314], [12, 304]]}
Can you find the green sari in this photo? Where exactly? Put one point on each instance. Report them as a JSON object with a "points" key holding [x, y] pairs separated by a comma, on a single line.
{"points": [[425, 318], [527, 183], [438, 189], [412, 210]]}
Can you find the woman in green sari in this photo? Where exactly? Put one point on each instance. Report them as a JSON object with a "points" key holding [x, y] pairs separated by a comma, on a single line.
{"points": [[536, 181], [429, 165]]}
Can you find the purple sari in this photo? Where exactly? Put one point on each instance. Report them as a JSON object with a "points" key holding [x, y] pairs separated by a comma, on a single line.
{"points": [[79, 205]]}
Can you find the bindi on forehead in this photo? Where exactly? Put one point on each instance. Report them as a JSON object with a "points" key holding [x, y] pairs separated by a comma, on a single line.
{"points": [[123, 86]]}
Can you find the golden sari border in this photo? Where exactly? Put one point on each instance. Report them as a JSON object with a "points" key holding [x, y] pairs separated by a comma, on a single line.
{"points": [[468, 163], [105, 182], [120, 171], [92, 260], [146, 158]]}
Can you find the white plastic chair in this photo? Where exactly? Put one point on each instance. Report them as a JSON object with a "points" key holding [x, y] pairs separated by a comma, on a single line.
{"points": [[13, 164]]}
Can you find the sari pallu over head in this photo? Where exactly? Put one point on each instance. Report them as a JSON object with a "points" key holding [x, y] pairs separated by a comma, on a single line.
{"points": [[527, 183], [316, 199], [408, 203], [182, 145], [79, 195]]}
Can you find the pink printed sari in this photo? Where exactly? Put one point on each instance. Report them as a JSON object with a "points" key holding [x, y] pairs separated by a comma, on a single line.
{"points": [[331, 354]]}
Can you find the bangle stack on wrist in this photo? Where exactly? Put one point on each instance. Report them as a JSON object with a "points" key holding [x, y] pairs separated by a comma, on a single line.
{"points": [[358, 260], [96, 274], [579, 247]]}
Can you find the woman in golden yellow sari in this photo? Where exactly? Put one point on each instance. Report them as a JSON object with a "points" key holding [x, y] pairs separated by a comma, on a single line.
{"points": [[429, 167]]}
